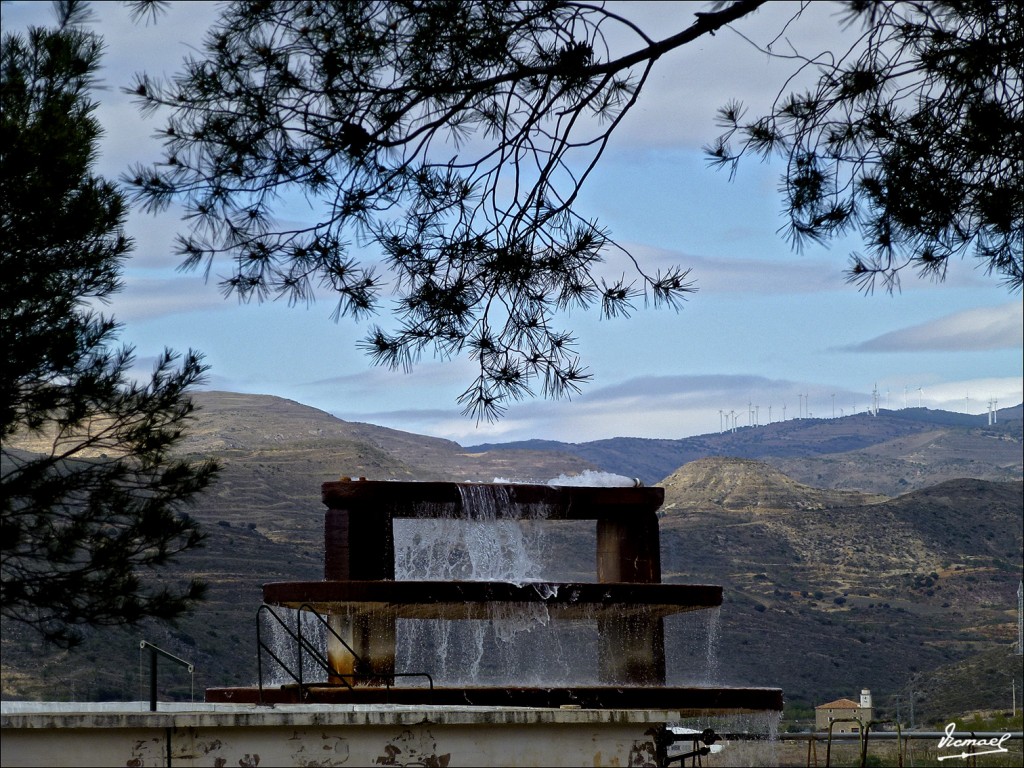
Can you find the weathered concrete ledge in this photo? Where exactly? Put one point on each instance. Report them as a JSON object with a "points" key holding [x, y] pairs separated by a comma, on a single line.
{"points": [[253, 715], [301, 735]]}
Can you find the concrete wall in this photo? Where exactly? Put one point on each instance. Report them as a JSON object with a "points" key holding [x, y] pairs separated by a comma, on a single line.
{"points": [[336, 736]]}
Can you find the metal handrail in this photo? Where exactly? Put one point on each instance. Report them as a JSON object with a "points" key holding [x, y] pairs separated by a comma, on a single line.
{"points": [[153, 652], [325, 664], [303, 643]]}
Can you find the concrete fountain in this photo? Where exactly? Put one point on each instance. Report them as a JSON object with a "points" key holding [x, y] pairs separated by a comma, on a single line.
{"points": [[362, 603], [358, 681]]}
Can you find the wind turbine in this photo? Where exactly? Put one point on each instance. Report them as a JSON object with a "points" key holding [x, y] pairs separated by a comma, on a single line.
{"points": [[833, 405], [920, 394]]}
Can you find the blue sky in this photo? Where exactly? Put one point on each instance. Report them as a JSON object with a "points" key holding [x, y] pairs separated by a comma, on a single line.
{"points": [[770, 331]]}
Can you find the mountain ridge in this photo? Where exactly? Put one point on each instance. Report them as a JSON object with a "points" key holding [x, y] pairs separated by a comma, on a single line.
{"points": [[859, 452]]}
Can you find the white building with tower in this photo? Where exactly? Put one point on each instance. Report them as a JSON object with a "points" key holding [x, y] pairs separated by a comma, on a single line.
{"points": [[851, 716]]}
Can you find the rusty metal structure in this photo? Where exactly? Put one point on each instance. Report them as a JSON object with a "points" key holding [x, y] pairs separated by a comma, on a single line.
{"points": [[360, 601]]}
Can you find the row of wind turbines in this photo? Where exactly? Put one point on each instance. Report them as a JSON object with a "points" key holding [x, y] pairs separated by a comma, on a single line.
{"points": [[728, 421]]}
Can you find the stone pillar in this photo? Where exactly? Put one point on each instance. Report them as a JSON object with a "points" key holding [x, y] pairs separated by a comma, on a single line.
{"points": [[631, 646], [629, 549], [358, 546]]}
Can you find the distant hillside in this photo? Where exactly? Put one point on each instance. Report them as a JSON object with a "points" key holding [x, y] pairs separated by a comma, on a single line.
{"points": [[263, 424], [826, 590], [825, 600], [891, 453], [971, 684]]}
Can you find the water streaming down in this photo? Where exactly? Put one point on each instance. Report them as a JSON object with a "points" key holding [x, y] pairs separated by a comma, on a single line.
{"points": [[691, 648], [483, 544], [519, 643], [283, 645], [714, 626]]}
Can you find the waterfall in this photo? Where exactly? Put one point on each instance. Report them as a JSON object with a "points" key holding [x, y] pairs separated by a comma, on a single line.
{"points": [[479, 542]]}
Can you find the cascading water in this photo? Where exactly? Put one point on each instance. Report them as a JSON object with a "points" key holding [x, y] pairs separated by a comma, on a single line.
{"points": [[691, 647], [520, 643], [284, 646], [714, 626], [480, 544], [483, 544]]}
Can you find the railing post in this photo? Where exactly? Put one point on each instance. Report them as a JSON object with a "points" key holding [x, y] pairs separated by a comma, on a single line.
{"points": [[153, 651], [152, 679]]}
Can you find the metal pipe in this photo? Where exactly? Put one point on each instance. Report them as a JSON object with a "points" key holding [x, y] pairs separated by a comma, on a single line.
{"points": [[153, 649]]}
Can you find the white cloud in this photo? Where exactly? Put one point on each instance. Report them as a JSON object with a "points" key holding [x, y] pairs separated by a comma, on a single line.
{"points": [[971, 395], [984, 328], [149, 298], [688, 85]]}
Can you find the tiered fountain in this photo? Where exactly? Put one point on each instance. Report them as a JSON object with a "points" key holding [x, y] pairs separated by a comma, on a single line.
{"points": [[362, 603]]}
